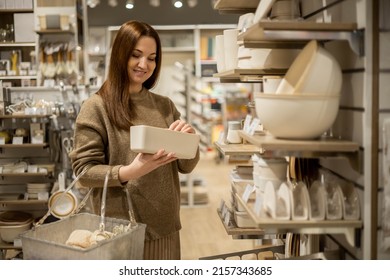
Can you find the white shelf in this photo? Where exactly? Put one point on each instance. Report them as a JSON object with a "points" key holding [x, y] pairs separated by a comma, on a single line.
{"points": [[240, 75], [295, 34], [17, 44], [17, 77], [273, 226], [236, 6]]}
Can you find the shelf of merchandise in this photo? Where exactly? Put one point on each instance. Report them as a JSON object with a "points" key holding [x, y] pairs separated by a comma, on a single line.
{"points": [[24, 174], [235, 231], [55, 31], [237, 149], [295, 34], [22, 116], [18, 77], [34, 202], [273, 226], [240, 75], [236, 6], [17, 44], [270, 146], [43, 145]]}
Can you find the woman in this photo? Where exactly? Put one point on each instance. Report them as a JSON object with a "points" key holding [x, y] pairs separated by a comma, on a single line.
{"points": [[102, 142]]}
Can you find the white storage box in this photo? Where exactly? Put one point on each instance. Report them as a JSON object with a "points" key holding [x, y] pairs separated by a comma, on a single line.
{"points": [[148, 139], [243, 220], [24, 27]]}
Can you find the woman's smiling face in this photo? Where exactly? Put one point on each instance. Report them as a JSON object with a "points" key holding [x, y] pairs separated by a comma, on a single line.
{"points": [[142, 63]]}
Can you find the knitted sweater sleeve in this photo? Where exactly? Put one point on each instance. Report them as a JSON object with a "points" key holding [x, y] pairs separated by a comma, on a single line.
{"points": [[90, 142]]}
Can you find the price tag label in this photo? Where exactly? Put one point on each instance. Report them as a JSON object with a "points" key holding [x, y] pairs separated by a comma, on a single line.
{"points": [[32, 168], [227, 218], [255, 123], [247, 123], [258, 205], [221, 205], [17, 140], [249, 189]]}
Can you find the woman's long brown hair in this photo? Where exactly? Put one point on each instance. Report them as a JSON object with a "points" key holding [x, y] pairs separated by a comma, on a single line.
{"points": [[115, 90]]}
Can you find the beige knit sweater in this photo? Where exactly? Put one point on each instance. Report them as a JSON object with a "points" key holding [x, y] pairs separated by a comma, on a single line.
{"points": [[100, 146]]}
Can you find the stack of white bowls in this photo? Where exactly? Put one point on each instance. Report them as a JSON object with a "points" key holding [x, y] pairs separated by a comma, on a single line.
{"points": [[265, 170], [306, 101]]}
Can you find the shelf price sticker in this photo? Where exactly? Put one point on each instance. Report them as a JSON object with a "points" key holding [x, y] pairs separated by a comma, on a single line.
{"points": [[249, 189], [258, 205], [252, 128], [226, 218], [247, 123]]}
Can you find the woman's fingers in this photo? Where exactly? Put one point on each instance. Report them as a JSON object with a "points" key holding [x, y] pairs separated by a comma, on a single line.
{"points": [[182, 126]]}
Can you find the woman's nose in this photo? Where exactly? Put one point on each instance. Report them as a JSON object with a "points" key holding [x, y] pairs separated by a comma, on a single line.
{"points": [[142, 62]]}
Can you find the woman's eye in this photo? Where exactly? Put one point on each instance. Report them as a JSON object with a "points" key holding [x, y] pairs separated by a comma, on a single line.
{"points": [[152, 59]]}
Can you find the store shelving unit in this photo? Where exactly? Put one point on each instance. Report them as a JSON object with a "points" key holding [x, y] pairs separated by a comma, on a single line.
{"points": [[24, 49], [283, 34]]}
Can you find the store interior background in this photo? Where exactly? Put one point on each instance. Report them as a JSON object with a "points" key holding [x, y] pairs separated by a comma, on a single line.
{"points": [[363, 109]]}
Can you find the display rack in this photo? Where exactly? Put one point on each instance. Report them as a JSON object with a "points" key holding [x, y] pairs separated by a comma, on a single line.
{"points": [[272, 226], [290, 35], [281, 34]]}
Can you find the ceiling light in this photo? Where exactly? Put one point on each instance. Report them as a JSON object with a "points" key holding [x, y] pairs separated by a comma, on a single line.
{"points": [[154, 3], [113, 3], [93, 3], [192, 3], [177, 3], [129, 4]]}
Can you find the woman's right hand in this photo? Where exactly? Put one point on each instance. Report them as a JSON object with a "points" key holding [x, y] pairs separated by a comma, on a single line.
{"points": [[145, 163]]}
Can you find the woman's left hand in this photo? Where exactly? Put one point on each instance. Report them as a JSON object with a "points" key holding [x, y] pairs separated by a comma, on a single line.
{"points": [[181, 126]]}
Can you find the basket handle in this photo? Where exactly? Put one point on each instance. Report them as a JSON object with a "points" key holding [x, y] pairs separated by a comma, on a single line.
{"points": [[133, 222], [103, 206], [42, 220]]}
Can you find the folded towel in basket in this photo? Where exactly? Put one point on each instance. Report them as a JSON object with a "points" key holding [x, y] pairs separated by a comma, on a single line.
{"points": [[81, 238]]}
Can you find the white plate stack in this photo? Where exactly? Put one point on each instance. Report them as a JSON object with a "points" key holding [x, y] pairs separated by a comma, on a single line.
{"points": [[37, 191]]}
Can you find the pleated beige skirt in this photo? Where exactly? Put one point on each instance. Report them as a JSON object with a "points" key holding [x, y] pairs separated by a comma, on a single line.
{"points": [[166, 248]]}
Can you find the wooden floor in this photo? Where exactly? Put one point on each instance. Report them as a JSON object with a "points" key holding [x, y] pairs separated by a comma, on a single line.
{"points": [[203, 233]]}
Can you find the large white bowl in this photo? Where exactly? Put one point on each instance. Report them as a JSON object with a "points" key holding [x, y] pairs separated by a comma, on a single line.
{"points": [[296, 116], [314, 71]]}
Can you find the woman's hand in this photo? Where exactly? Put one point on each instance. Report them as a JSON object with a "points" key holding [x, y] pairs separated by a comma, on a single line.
{"points": [[181, 126], [145, 163]]}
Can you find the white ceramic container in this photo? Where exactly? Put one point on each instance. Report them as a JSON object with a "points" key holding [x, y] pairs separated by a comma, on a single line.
{"points": [[148, 139], [220, 53], [231, 48], [296, 116], [314, 71]]}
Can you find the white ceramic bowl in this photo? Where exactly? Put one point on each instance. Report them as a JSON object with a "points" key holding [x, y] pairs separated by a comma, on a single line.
{"points": [[296, 116], [314, 71], [272, 58]]}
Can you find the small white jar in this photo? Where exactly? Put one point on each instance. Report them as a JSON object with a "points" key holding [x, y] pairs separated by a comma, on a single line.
{"points": [[233, 136]]}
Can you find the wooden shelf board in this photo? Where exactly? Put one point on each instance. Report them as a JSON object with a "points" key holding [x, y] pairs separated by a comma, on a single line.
{"points": [[236, 7], [238, 73], [297, 225], [24, 174], [237, 149], [293, 34], [270, 143], [23, 145], [22, 116], [233, 229]]}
